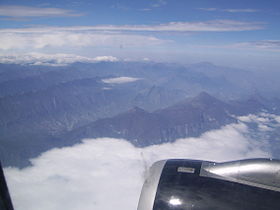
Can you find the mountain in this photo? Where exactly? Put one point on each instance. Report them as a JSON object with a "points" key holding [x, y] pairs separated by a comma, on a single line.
{"points": [[192, 79], [189, 118], [39, 105]]}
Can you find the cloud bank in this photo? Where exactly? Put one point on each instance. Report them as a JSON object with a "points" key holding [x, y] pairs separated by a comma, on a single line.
{"points": [[60, 38], [26, 11], [269, 45], [120, 80], [52, 59], [256, 46], [264, 122], [106, 174], [248, 10], [116, 36], [202, 26]]}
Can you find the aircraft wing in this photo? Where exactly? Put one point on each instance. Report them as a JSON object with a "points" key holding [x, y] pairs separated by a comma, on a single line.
{"points": [[5, 199], [179, 184]]}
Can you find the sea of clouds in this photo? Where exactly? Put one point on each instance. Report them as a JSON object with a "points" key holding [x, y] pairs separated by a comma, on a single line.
{"points": [[106, 173]]}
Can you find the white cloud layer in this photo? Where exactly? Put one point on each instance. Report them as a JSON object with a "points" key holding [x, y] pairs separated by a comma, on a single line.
{"points": [[256, 46], [52, 59], [26, 11], [270, 45], [248, 10], [106, 174], [265, 122], [120, 80], [117, 36], [158, 3], [56, 38], [203, 26]]}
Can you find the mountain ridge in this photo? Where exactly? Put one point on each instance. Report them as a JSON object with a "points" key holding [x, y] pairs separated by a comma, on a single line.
{"points": [[188, 118]]}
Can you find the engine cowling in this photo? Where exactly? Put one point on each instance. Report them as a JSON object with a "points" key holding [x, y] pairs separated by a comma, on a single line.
{"points": [[183, 184]]}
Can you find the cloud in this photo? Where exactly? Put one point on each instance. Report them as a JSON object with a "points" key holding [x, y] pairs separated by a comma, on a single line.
{"points": [[145, 9], [52, 59], [110, 35], [255, 118], [57, 38], [241, 10], [120, 80], [264, 128], [277, 119], [271, 45], [159, 3], [230, 10], [208, 9], [26, 11], [265, 122], [203, 26], [261, 45], [105, 58], [106, 174]]}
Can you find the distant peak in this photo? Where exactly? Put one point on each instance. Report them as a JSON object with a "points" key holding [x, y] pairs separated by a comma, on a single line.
{"points": [[204, 64], [256, 97], [203, 95], [137, 109], [201, 99], [204, 98]]}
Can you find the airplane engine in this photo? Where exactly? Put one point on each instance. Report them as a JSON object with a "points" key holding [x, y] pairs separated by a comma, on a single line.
{"points": [[179, 184]]}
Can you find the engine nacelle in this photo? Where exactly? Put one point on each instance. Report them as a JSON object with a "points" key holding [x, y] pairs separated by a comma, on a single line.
{"points": [[252, 184]]}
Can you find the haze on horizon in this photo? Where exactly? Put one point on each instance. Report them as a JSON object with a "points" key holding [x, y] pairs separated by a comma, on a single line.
{"points": [[237, 34]]}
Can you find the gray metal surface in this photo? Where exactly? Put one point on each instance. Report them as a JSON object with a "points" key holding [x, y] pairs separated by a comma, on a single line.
{"points": [[263, 173], [150, 186]]}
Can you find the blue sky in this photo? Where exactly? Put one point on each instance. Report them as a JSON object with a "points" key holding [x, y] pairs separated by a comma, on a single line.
{"points": [[242, 33]]}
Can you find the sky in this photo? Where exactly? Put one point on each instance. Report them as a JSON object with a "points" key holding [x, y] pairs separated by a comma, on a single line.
{"points": [[240, 33]]}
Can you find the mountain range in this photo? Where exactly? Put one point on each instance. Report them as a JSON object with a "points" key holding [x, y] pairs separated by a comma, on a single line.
{"points": [[189, 118], [42, 107]]}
